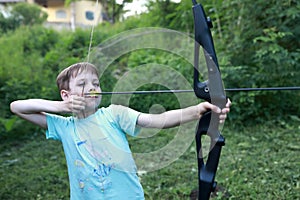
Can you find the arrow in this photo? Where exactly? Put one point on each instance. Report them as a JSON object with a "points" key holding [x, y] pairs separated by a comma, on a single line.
{"points": [[188, 91]]}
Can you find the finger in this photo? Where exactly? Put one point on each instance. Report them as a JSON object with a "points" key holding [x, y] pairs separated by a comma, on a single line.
{"points": [[209, 106], [77, 108], [77, 104], [228, 104], [225, 110], [78, 98], [222, 116]]}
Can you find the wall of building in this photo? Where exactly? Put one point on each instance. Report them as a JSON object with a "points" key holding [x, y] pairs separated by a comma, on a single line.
{"points": [[87, 13], [57, 12]]}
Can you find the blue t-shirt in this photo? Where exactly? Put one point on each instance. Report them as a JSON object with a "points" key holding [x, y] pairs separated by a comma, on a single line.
{"points": [[100, 163]]}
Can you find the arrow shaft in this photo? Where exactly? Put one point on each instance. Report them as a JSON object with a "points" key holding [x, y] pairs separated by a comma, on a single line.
{"points": [[262, 89], [188, 91]]}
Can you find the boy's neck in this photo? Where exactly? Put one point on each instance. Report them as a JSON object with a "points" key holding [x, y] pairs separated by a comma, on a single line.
{"points": [[85, 114]]}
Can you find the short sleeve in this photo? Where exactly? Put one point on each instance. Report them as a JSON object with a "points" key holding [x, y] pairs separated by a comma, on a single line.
{"points": [[126, 118], [56, 125]]}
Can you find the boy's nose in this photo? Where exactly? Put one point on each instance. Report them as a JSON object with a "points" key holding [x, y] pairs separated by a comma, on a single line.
{"points": [[92, 90], [90, 87]]}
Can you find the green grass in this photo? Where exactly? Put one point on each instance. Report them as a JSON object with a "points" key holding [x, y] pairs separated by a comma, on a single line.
{"points": [[258, 162]]}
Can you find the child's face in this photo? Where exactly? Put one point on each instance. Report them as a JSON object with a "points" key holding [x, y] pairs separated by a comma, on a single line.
{"points": [[86, 82]]}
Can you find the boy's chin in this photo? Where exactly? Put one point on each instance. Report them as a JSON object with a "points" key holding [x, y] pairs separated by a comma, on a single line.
{"points": [[93, 102]]}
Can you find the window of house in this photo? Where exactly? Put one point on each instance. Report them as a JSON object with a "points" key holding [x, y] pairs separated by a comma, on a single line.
{"points": [[61, 14], [89, 15]]}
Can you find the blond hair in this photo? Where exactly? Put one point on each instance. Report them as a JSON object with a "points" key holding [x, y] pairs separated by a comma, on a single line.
{"points": [[65, 75]]}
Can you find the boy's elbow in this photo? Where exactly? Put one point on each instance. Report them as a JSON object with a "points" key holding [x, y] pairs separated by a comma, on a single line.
{"points": [[14, 107]]}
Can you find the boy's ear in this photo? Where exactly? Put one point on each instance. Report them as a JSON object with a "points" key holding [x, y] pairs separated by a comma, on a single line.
{"points": [[64, 94]]}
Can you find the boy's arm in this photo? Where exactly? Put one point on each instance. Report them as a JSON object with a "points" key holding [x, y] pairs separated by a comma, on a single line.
{"points": [[176, 117], [33, 110]]}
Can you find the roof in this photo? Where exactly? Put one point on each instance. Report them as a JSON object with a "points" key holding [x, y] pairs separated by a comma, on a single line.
{"points": [[11, 1]]}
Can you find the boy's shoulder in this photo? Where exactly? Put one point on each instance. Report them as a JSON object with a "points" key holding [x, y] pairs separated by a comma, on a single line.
{"points": [[59, 118], [114, 108]]}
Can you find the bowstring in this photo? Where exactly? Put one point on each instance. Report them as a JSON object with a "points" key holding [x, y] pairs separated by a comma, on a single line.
{"points": [[87, 60], [96, 19], [92, 30]]}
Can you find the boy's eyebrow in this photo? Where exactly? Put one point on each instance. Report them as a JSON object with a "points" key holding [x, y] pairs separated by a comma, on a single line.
{"points": [[83, 79], [79, 80]]}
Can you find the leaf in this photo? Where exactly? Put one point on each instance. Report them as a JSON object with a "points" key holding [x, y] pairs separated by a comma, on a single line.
{"points": [[244, 145], [294, 147], [295, 118], [8, 123]]}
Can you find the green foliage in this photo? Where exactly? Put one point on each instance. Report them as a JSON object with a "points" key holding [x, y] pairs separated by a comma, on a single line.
{"points": [[255, 46], [8, 123], [7, 24], [154, 70], [23, 54], [112, 10], [161, 12], [21, 14], [21, 70], [182, 17], [71, 48], [256, 50], [28, 14]]}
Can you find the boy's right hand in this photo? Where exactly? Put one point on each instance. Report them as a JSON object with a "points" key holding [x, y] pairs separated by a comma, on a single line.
{"points": [[33, 110], [75, 104]]}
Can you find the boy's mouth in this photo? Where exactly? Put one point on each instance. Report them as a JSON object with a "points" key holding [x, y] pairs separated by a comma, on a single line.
{"points": [[92, 94], [91, 97]]}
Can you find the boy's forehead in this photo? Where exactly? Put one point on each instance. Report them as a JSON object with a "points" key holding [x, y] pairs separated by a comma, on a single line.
{"points": [[85, 74]]}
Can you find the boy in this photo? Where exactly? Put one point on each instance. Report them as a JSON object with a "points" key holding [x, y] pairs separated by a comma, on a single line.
{"points": [[100, 163]]}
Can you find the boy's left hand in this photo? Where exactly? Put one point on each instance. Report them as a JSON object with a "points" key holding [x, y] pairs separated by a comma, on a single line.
{"points": [[205, 106]]}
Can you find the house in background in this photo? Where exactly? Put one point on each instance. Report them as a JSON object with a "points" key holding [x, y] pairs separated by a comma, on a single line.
{"points": [[81, 13], [5, 2]]}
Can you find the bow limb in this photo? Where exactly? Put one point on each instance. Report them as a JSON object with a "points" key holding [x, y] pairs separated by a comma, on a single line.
{"points": [[211, 90]]}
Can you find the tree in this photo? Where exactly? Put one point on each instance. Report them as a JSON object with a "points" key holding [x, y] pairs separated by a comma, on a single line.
{"points": [[113, 9], [28, 14], [261, 49], [21, 14], [257, 45], [162, 13]]}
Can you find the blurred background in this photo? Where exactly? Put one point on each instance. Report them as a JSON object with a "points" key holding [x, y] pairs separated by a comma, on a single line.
{"points": [[257, 44]]}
